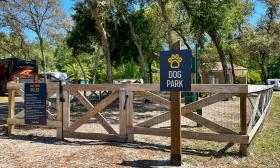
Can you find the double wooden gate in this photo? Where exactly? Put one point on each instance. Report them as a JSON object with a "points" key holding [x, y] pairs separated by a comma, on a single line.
{"points": [[254, 105]]}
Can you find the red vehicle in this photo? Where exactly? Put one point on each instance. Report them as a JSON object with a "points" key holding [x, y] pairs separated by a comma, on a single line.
{"points": [[20, 71]]}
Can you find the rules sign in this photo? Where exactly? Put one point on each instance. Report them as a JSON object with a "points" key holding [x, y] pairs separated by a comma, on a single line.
{"points": [[35, 96], [175, 70]]}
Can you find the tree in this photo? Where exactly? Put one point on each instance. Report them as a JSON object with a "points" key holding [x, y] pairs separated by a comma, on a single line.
{"points": [[262, 43], [15, 45], [122, 6], [35, 15], [162, 5], [213, 18], [95, 12]]}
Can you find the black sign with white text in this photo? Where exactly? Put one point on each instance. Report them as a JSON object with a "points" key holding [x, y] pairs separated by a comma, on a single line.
{"points": [[35, 96]]}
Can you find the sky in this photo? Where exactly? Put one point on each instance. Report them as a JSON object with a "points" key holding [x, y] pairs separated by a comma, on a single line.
{"points": [[258, 12], [68, 4]]}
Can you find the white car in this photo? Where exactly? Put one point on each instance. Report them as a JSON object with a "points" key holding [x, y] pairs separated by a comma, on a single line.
{"points": [[275, 83]]}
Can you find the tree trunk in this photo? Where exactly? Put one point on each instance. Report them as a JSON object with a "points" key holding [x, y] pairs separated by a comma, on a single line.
{"points": [[104, 38], [150, 72], [180, 33], [81, 67], [138, 45], [216, 40], [162, 5], [232, 67], [43, 58], [263, 68], [95, 65]]}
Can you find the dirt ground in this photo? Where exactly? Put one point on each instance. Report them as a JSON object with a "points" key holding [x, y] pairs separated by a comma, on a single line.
{"points": [[39, 148]]}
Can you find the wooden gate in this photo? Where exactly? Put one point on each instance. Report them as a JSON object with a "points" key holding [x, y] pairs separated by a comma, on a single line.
{"points": [[112, 134]]}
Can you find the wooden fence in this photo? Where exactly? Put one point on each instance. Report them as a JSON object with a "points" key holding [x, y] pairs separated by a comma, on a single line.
{"points": [[254, 105]]}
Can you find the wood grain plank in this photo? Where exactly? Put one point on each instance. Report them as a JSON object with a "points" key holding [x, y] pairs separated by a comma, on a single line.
{"points": [[154, 98], [209, 124]]}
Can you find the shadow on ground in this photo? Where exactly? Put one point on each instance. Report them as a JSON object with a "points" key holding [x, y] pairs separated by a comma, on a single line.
{"points": [[134, 145]]}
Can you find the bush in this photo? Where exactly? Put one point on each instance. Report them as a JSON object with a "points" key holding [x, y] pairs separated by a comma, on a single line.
{"points": [[254, 77]]}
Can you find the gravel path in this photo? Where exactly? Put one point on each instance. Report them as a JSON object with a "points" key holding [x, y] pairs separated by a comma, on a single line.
{"points": [[30, 151]]}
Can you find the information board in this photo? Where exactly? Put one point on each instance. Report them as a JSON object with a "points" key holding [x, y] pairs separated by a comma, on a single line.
{"points": [[35, 96], [175, 70]]}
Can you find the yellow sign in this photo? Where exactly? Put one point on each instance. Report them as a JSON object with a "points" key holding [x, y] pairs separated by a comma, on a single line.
{"points": [[175, 61]]}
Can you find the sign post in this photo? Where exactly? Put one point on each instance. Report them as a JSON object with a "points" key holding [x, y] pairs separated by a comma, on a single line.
{"points": [[35, 96], [175, 76]]}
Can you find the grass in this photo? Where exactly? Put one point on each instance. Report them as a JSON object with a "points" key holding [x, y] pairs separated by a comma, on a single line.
{"points": [[263, 152]]}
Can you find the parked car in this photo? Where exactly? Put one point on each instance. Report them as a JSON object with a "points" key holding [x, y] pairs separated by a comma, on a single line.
{"points": [[275, 83], [55, 77]]}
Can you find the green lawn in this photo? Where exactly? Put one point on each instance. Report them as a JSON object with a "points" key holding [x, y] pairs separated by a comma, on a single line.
{"points": [[263, 152]]}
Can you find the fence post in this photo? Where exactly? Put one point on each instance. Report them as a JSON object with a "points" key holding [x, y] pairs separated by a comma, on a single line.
{"points": [[130, 113], [59, 113], [123, 117], [175, 109], [66, 111], [11, 113], [243, 122]]}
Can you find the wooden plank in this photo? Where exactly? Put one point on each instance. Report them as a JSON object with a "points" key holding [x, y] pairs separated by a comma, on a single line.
{"points": [[154, 98], [205, 102], [83, 100], [150, 131], [122, 114], [258, 88], [253, 132], [50, 123], [243, 122], [11, 113], [93, 136], [155, 120], [101, 120], [20, 114], [209, 124], [105, 124], [66, 111], [18, 86], [130, 115], [176, 136], [90, 87], [256, 109], [231, 138], [143, 87], [20, 92], [220, 88], [100, 106], [51, 93], [175, 116], [59, 104]]}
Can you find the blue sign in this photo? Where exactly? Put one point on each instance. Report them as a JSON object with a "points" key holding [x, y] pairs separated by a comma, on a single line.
{"points": [[175, 70], [35, 96]]}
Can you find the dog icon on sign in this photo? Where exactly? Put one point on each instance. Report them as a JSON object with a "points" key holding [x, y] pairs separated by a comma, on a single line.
{"points": [[175, 61]]}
